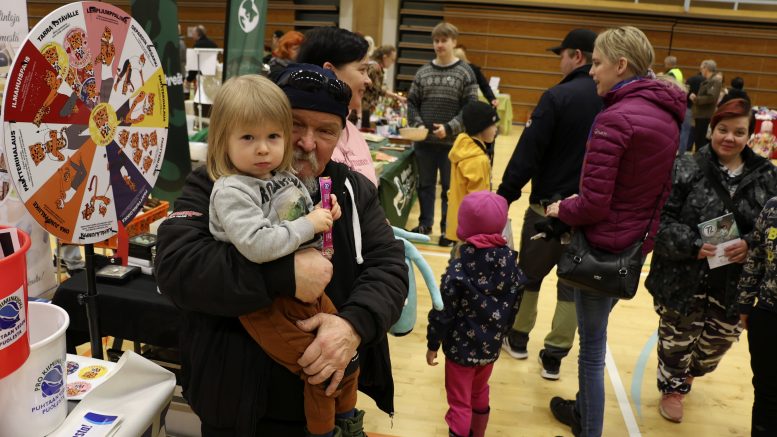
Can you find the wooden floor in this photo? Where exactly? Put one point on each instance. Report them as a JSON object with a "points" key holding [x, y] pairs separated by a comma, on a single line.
{"points": [[718, 406]]}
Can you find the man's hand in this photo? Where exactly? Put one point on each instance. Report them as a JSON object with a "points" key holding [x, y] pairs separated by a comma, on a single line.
{"points": [[439, 130], [312, 273], [329, 354], [552, 209], [743, 320]]}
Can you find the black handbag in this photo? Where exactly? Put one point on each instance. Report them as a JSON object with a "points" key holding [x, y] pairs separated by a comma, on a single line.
{"points": [[603, 273]]}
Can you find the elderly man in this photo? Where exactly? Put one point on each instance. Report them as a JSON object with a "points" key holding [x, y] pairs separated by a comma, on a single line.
{"points": [[232, 385], [706, 100]]}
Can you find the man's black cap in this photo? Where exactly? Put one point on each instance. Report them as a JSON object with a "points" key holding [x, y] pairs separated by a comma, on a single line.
{"points": [[578, 39]]}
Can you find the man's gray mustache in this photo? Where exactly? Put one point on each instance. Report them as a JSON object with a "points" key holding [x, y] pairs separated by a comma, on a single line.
{"points": [[301, 156]]}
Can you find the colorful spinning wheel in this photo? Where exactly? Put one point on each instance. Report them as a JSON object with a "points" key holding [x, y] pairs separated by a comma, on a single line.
{"points": [[85, 119]]}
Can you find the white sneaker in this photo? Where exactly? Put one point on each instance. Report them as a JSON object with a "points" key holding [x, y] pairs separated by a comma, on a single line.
{"points": [[515, 353]]}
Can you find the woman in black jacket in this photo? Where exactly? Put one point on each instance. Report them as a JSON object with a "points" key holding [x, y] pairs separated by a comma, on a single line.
{"points": [[699, 317]]}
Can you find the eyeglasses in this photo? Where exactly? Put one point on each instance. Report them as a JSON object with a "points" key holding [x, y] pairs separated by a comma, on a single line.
{"points": [[312, 81]]}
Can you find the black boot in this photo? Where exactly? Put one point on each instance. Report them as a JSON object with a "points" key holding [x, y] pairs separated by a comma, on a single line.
{"points": [[353, 426]]}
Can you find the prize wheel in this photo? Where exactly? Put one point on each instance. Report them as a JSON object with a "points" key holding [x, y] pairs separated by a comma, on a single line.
{"points": [[85, 119]]}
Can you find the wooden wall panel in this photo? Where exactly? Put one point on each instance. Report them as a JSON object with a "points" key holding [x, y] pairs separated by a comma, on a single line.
{"points": [[511, 42]]}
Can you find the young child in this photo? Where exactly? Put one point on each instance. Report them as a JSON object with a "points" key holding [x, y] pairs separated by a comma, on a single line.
{"points": [[481, 291], [758, 314], [470, 164], [258, 205]]}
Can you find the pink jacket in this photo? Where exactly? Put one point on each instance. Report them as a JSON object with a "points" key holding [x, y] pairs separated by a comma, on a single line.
{"points": [[628, 165], [353, 151]]}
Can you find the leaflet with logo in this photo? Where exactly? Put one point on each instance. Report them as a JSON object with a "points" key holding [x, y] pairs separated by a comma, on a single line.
{"points": [[722, 232], [93, 424]]}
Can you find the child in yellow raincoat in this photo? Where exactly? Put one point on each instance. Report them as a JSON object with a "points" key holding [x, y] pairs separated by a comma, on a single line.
{"points": [[470, 164]]}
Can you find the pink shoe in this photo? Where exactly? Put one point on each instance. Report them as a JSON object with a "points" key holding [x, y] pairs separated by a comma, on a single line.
{"points": [[671, 407]]}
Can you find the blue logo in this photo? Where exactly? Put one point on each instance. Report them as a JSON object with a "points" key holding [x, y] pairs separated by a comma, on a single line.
{"points": [[99, 419], [53, 381], [9, 314]]}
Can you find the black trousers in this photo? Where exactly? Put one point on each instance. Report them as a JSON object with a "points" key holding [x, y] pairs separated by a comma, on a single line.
{"points": [[700, 132], [762, 325]]}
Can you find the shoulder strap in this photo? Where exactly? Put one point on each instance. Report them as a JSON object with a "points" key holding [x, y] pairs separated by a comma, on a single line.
{"points": [[655, 207]]}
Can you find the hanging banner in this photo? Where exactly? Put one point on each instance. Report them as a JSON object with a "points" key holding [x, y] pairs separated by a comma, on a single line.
{"points": [[160, 21], [13, 30], [244, 41]]}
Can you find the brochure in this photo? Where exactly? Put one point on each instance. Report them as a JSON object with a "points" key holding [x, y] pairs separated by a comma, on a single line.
{"points": [[722, 232]]}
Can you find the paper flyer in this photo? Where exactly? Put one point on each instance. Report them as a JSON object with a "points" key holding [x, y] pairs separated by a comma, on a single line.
{"points": [[722, 232]]}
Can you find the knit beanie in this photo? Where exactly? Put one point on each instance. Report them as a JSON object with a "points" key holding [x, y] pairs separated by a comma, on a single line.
{"points": [[481, 213], [315, 88], [478, 116]]}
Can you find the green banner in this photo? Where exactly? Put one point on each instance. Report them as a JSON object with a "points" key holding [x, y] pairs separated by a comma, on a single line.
{"points": [[244, 43], [159, 19], [397, 188]]}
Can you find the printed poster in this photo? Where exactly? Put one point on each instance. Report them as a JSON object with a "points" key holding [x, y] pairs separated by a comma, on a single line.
{"points": [[13, 29], [85, 116]]}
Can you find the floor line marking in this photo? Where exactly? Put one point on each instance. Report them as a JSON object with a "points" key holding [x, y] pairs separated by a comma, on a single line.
{"points": [[430, 253], [620, 394], [639, 371]]}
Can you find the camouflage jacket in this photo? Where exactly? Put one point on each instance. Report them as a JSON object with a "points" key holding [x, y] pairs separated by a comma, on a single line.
{"points": [[759, 276], [675, 272]]}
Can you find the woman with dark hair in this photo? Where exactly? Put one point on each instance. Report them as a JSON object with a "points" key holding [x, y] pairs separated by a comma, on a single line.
{"points": [[735, 91], [485, 88], [624, 181], [344, 53], [381, 60], [697, 304], [285, 53]]}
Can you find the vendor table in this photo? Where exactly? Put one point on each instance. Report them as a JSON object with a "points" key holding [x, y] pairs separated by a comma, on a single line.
{"points": [[504, 109], [133, 311], [397, 183]]}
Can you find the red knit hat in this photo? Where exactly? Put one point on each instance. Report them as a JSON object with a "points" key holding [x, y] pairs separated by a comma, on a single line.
{"points": [[481, 212]]}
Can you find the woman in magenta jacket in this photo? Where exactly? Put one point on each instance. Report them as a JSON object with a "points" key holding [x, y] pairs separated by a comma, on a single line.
{"points": [[625, 178]]}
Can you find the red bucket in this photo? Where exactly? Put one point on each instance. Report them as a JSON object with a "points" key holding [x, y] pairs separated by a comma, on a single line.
{"points": [[14, 340]]}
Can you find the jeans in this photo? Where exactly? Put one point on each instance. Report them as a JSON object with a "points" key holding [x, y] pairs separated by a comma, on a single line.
{"points": [[686, 132], [432, 158], [593, 313], [762, 325]]}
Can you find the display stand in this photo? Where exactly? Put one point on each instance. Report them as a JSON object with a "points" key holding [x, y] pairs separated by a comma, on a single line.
{"points": [[204, 61], [87, 122], [90, 300]]}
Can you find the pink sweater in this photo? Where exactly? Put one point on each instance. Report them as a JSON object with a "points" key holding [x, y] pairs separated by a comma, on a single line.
{"points": [[352, 150]]}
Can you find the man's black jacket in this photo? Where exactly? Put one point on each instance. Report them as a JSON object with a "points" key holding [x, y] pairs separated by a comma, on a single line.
{"points": [[551, 149], [227, 378]]}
